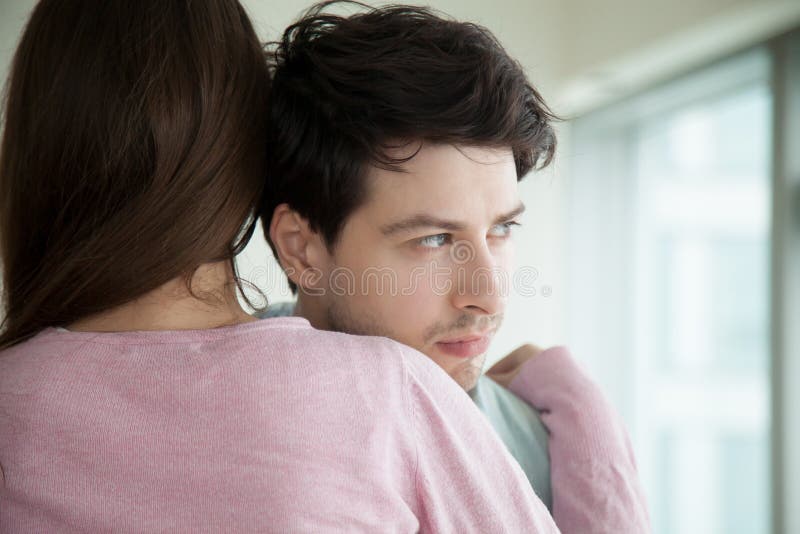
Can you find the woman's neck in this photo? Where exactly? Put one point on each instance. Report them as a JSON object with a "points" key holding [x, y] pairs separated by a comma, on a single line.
{"points": [[173, 307]]}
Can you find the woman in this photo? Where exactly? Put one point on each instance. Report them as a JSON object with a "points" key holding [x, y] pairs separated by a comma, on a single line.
{"points": [[135, 393]]}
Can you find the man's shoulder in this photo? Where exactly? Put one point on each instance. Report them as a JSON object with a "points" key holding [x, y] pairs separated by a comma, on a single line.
{"points": [[505, 410], [488, 391], [521, 429]]}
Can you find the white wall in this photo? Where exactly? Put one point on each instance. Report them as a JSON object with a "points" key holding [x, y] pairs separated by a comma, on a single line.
{"points": [[13, 14]]}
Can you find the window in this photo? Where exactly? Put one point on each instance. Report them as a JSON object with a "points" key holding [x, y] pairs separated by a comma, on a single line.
{"points": [[671, 246]]}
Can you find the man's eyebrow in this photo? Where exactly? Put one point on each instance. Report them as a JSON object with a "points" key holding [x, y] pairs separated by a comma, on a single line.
{"points": [[422, 220], [516, 212]]}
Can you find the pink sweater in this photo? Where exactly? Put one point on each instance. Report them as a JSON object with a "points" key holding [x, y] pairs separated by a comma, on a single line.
{"points": [[595, 482], [265, 426]]}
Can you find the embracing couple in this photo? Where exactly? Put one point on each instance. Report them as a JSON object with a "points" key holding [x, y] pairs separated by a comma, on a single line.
{"points": [[381, 152]]}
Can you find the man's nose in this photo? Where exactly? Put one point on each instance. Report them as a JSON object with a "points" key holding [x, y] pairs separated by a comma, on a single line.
{"points": [[480, 281]]}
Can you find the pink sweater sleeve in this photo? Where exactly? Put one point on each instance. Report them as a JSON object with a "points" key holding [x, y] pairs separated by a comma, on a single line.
{"points": [[466, 480], [596, 487]]}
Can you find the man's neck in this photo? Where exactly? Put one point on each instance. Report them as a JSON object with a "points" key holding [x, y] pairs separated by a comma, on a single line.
{"points": [[173, 307], [310, 309]]}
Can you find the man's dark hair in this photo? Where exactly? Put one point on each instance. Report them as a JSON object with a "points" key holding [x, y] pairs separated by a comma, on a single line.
{"points": [[348, 89]]}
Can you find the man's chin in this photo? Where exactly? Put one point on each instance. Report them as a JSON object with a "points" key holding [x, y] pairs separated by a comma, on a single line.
{"points": [[468, 377], [465, 371]]}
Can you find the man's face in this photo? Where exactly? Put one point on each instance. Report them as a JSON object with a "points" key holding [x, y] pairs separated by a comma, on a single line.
{"points": [[425, 259]]}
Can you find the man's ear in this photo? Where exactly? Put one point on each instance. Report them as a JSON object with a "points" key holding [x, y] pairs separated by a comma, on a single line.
{"points": [[301, 251]]}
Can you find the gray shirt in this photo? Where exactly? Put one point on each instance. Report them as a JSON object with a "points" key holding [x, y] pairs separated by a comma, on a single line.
{"points": [[518, 425], [521, 429]]}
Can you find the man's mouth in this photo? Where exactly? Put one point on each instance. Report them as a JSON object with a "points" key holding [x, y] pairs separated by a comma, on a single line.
{"points": [[466, 346]]}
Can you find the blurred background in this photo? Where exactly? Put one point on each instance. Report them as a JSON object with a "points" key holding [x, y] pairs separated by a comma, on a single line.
{"points": [[664, 241]]}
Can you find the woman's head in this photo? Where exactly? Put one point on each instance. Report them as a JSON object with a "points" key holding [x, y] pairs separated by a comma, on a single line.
{"points": [[133, 152]]}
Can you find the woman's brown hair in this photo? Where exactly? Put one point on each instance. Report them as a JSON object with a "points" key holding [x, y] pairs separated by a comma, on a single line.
{"points": [[133, 152]]}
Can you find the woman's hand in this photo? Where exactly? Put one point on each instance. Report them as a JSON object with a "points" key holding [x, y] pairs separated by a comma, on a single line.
{"points": [[504, 371]]}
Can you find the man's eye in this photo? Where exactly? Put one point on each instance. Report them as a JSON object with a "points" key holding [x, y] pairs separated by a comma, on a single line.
{"points": [[502, 230], [434, 241]]}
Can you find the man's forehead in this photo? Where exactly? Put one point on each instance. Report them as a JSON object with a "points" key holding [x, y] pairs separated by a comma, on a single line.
{"points": [[428, 165], [458, 185]]}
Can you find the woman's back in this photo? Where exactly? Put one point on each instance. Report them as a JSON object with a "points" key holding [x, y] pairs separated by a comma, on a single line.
{"points": [[209, 429], [269, 425]]}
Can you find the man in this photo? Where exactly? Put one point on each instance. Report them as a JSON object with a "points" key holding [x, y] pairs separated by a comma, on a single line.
{"points": [[397, 141]]}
